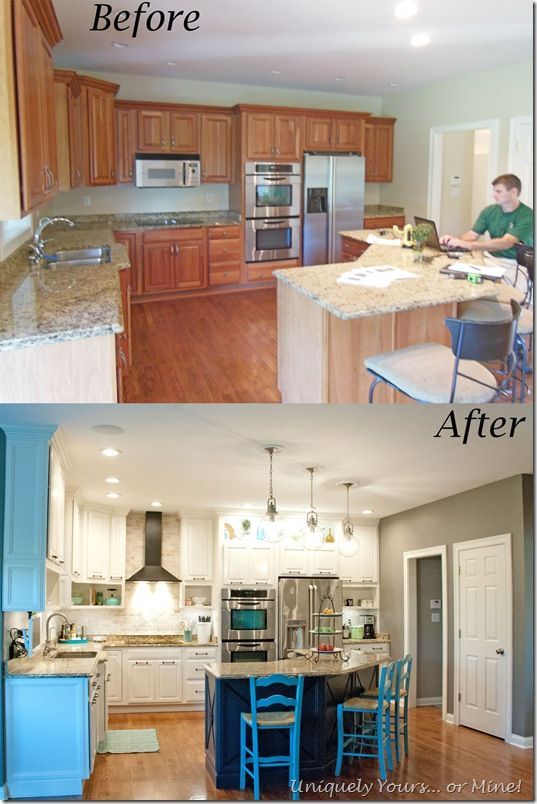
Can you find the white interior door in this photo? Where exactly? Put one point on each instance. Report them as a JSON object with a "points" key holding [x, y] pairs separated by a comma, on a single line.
{"points": [[484, 640], [521, 155]]}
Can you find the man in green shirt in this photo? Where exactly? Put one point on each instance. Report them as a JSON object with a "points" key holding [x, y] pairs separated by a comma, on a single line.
{"points": [[508, 222]]}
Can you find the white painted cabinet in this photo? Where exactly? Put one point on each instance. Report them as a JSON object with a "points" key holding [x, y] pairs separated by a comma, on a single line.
{"points": [[114, 666], [294, 560], [56, 511], [168, 681], [194, 673], [324, 561], [97, 537], [197, 550], [249, 564], [78, 557], [363, 567], [140, 681], [118, 537]]}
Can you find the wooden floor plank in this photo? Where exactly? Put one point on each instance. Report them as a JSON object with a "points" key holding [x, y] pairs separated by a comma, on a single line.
{"points": [[440, 755]]}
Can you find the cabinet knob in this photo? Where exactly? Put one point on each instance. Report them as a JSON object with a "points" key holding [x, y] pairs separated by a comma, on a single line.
{"points": [[173, 140], [163, 142], [130, 171]]}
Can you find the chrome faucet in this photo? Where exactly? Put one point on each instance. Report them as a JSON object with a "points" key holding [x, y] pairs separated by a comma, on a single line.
{"points": [[48, 645], [37, 248]]}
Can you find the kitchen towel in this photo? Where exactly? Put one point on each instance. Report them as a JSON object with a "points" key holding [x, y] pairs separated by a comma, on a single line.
{"points": [[374, 240], [129, 741]]}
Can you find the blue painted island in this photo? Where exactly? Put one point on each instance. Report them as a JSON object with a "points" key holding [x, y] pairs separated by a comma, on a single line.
{"points": [[326, 684]]}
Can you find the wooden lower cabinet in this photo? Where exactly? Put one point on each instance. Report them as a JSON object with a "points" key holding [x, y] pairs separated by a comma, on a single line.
{"points": [[352, 249], [262, 271], [384, 223], [174, 260], [224, 255]]}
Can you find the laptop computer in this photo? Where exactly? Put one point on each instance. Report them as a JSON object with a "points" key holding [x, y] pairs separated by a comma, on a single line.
{"points": [[433, 241]]}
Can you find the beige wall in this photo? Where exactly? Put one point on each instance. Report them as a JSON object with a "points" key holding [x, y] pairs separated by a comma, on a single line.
{"points": [[502, 507], [456, 202], [500, 93]]}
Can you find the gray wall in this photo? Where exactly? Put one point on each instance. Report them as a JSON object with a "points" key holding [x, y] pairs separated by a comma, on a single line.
{"points": [[429, 658], [502, 507]]}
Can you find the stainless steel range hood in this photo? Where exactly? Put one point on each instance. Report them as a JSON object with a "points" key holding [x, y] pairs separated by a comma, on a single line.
{"points": [[153, 571]]}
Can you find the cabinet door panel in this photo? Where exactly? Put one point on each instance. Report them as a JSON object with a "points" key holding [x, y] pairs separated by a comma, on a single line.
{"points": [[49, 118], [75, 137], [153, 130], [259, 135], [349, 134], [368, 554], [190, 267], [97, 538], [294, 560], [185, 132], [78, 564], [101, 139], [384, 153], [141, 681], [56, 511], [287, 136], [216, 135], [126, 144], [318, 132], [118, 536], [235, 564], [168, 680], [198, 550], [261, 565], [158, 267], [369, 152], [114, 668]]}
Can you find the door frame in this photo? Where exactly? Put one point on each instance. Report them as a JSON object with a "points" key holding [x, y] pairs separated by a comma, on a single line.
{"points": [[410, 624], [436, 153], [458, 547]]}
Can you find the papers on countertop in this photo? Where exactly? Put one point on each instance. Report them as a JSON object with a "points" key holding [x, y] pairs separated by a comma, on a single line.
{"points": [[484, 270], [373, 240], [378, 276]]}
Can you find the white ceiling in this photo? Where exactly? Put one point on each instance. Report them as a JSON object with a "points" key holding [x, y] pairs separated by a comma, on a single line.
{"points": [[210, 456], [242, 41]]}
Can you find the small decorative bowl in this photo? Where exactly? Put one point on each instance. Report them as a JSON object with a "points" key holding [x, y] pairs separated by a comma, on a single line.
{"points": [[198, 601], [77, 600]]}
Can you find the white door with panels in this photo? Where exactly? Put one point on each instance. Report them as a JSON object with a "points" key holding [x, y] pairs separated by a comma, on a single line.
{"points": [[484, 657]]}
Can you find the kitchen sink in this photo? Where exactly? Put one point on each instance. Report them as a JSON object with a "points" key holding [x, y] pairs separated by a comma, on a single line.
{"points": [[75, 654], [82, 256]]}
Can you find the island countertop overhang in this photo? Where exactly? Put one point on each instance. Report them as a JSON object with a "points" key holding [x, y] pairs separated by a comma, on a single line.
{"points": [[326, 666]]}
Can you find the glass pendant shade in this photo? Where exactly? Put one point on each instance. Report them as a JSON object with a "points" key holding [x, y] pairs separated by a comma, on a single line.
{"points": [[272, 529], [347, 542]]}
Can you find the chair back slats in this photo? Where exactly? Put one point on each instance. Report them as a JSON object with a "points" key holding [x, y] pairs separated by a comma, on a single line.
{"points": [[284, 702], [483, 340], [404, 668], [386, 680], [273, 700]]}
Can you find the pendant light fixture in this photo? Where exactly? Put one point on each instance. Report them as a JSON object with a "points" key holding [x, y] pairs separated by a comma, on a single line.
{"points": [[270, 529], [312, 533], [348, 543]]}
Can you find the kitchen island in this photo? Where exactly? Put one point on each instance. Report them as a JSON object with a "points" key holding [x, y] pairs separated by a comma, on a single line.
{"points": [[327, 683], [326, 330]]}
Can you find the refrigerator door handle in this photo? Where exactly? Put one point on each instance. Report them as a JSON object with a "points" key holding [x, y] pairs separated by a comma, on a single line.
{"points": [[332, 182]]}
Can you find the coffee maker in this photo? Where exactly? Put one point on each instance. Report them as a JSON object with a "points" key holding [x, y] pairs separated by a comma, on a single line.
{"points": [[368, 621]]}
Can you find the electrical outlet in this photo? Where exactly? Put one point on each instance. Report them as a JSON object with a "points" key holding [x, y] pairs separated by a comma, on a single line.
{"points": [[86, 200], [209, 197]]}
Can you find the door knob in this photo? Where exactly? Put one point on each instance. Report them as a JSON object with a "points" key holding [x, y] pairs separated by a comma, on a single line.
{"points": [[500, 651]]}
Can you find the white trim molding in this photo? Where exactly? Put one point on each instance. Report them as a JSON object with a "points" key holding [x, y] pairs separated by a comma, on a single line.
{"points": [[449, 718], [429, 701], [410, 614], [520, 742], [458, 547]]}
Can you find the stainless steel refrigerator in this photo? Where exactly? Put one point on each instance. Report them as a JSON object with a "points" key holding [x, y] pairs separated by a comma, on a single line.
{"points": [[299, 600], [334, 187]]}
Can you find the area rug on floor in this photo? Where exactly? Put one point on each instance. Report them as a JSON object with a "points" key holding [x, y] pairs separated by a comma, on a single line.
{"points": [[129, 741]]}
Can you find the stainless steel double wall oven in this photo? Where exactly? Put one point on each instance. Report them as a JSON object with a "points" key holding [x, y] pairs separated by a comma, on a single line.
{"points": [[248, 624], [272, 211]]}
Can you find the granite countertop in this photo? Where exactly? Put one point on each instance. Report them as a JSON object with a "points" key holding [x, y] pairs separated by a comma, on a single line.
{"points": [[326, 666], [318, 282], [44, 666], [382, 211], [41, 305], [153, 640], [156, 220]]}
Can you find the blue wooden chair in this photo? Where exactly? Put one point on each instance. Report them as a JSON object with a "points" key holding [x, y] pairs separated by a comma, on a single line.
{"points": [[400, 693], [370, 734], [259, 719]]}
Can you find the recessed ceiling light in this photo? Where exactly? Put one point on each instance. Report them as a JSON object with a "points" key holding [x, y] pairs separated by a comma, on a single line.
{"points": [[119, 44], [276, 72], [247, 505], [339, 78], [108, 429], [367, 511], [113, 495], [394, 83], [112, 479], [420, 39], [156, 504], [171, 63], [110, 452], [405, 9]]}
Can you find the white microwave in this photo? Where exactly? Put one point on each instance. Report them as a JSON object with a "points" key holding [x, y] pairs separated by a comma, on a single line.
{"points": [[167, 170]]}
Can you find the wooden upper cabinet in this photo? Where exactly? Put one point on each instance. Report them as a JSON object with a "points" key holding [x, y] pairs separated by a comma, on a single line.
{"points": [[68, 129], [126, 128], [273, 136], [216, 145], [36, 101], [335, 133], [379, 148], [168, 131], [99, 131]]}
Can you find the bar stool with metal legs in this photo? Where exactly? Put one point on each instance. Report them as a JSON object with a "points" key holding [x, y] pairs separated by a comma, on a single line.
{"points": [[262, 717], [400, 693], [370, 733]]}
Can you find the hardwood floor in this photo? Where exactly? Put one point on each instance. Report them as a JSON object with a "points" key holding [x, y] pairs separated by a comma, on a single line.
{"points": [[213, 349], [440, 755]]}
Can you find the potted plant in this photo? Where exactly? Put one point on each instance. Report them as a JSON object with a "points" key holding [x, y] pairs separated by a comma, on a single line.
{"points": [[420, 235], [246, 525]]}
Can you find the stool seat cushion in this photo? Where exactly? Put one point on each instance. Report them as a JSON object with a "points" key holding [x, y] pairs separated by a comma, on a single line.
{"points": [[374, 693], [271, 718], [425, 371], [364, 704]]}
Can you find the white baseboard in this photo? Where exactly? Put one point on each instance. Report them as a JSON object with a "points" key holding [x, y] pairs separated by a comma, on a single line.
{"points": [[449, 718], [520, 742], [125, 709], [429, 701]]}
